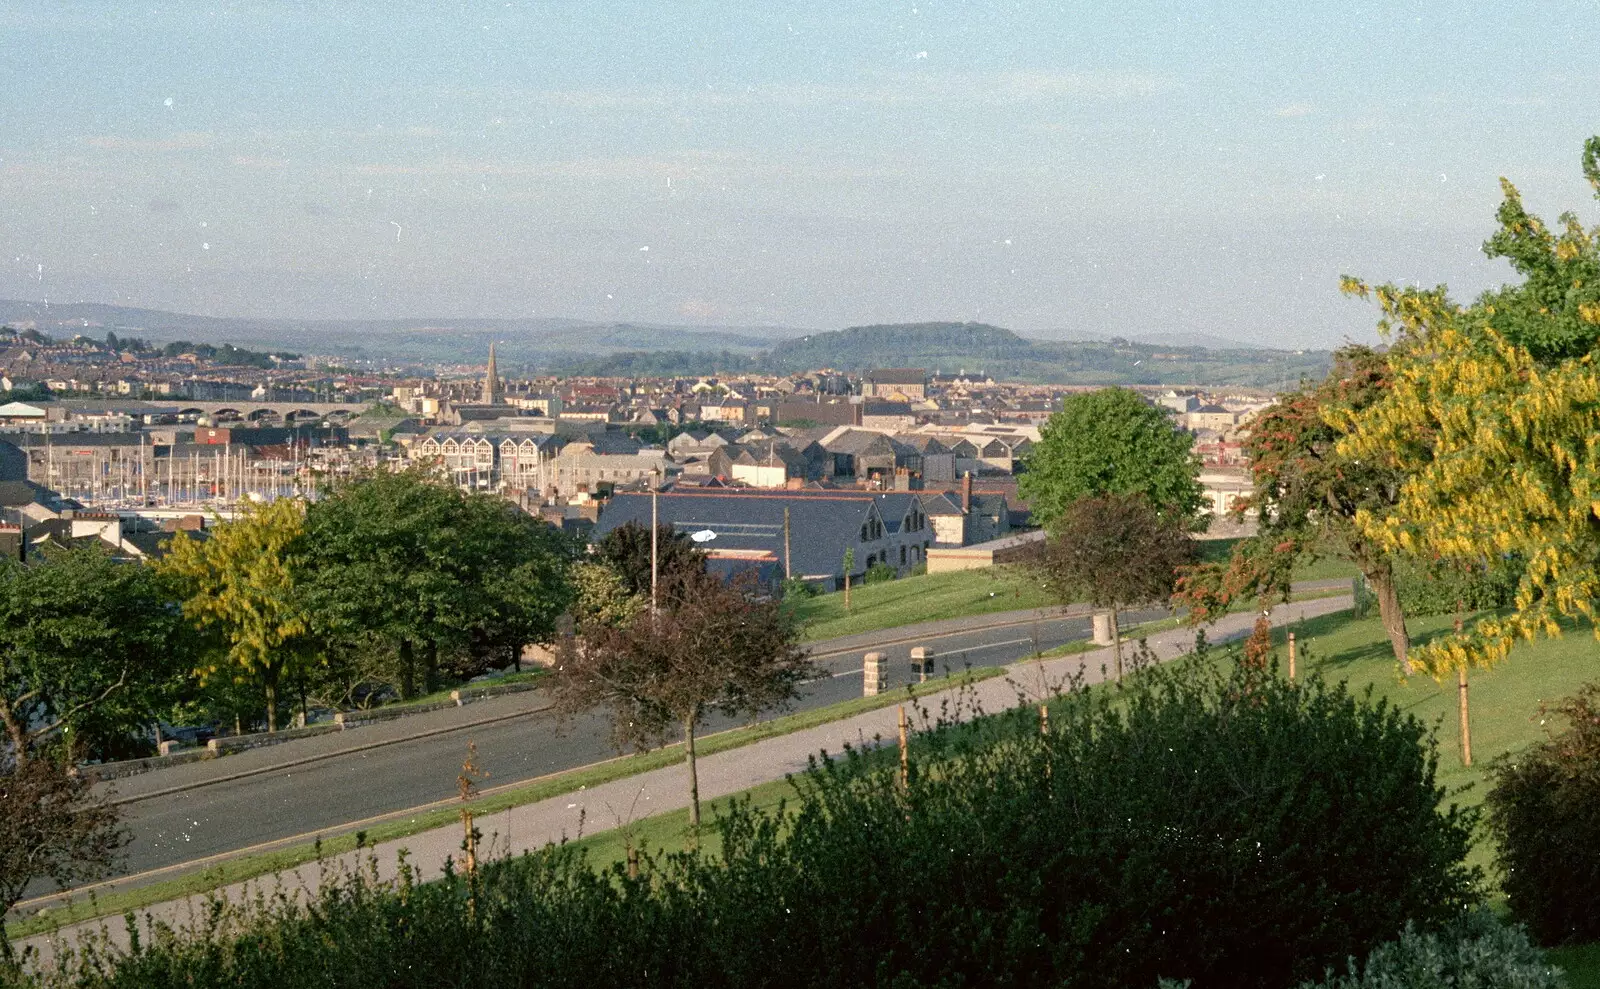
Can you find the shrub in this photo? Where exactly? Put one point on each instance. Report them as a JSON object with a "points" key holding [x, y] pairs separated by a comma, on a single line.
{"points": [[1226, 828], [799, 588], [1439, 588], [1544, 812], [879, 573], [1234, 830], [1476, 951]]}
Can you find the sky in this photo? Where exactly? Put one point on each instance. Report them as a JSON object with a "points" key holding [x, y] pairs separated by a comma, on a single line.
{"points": [[1098, 168]]}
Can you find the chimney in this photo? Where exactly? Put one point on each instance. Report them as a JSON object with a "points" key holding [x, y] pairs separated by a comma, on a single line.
{"points": [[966, 493]]}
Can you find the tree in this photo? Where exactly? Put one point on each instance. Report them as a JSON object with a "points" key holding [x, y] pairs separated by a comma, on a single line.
{"points": [[414, 562], [601, 597], [1307, 496], [52, 827], [626, 549], [1491, 417], [1114, 550], [89, 649], [714, 646], [520, 574], [1112, 441], [382, 560], [243, 584]]}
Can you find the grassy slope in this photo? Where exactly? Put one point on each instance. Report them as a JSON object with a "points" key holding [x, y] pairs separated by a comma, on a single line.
{"points": [[969, 592], [928, 597]]}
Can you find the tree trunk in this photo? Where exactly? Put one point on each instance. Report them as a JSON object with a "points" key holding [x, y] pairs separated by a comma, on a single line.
{"points": [[1116, 642], [15, 732], [1381, 577], [430, 670], [272, 701], [694, 778], [408, 671], [847, 590]]}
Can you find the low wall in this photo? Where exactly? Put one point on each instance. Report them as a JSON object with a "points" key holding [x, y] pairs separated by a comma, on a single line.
{"points": [[1010, 549], [217, 747]]}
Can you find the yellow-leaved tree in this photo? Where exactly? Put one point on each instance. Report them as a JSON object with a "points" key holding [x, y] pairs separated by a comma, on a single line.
{"points": [[240, 586], [1493, 418]]}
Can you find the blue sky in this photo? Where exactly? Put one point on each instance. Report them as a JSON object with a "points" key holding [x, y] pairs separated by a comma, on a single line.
{"points": [[1110, 168]]}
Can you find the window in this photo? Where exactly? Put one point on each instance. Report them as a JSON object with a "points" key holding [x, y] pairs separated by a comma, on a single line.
{"points": [[902, 556]]}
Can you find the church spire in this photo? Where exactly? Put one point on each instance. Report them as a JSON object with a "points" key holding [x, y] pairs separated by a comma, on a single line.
{"points": [[491, 381]]}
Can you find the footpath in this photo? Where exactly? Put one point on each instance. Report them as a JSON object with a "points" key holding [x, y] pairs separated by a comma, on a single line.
{"points": [[615, 804]]}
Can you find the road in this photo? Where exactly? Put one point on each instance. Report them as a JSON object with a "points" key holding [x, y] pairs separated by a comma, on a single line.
{"points": [[330, 793]]}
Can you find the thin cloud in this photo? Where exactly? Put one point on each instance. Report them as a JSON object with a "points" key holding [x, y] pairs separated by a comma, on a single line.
{"points": [[1295, 110], [178, 142]]}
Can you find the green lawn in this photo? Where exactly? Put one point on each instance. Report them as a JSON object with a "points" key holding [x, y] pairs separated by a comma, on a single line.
{"points": [[923, 598], [1324, 568], [930, 597]]}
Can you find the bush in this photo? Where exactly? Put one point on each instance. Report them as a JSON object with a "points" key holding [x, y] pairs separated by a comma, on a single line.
{"points": [[1235, 830], [1230, 829], [878, 573], [1477, 951], [799, 588], [1440, 588], [1544, 812]]}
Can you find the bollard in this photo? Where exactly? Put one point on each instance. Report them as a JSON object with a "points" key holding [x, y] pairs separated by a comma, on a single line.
{"points": [[338, 719], [1102, 630], [873, 674], [921, 663], [455, 695], [167, 747]]}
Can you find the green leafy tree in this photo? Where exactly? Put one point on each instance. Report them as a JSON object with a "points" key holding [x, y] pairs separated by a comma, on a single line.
{"points": [[626, 549], [1112, 441], [715, 646], [1491, 415], [243, 584], [601, 597], [410, 560], [90, 649], [1114, 551], [520, 580], [1307, 496], [383, 560]]}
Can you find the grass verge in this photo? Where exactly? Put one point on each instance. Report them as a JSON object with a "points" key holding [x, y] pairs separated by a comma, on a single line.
{"points": [[923, 598], [446, 813]]}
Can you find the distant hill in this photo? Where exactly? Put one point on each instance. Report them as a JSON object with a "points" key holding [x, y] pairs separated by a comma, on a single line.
{"points": [[534, 342], [981, 348], [572, 346], [1206, 340], [928, 345]]}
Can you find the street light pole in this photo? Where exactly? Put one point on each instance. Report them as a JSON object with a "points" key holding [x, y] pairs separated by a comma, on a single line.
{"points": [[655, 514]]}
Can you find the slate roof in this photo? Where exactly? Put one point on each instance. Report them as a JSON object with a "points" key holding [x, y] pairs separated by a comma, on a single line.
{"points": [[821, 525], [898, 376]]}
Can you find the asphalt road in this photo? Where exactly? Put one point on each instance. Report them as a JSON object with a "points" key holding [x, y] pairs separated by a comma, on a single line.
{"points": [[329, 794]]}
